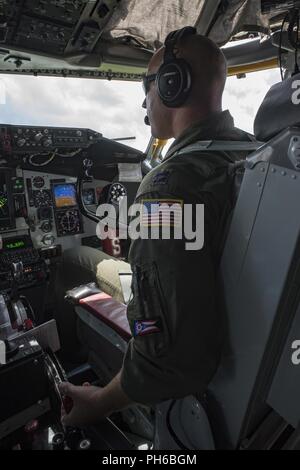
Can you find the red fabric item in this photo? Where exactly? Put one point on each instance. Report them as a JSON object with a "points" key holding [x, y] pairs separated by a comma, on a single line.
{"points": [[111, 312], [111, 245], [28, 325]]}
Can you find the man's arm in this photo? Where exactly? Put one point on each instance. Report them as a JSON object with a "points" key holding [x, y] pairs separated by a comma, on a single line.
{"points": [[93, 404], [176, 326]]}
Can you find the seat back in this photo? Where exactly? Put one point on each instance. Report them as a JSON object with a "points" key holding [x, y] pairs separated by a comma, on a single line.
{"points": [[260, 278]]}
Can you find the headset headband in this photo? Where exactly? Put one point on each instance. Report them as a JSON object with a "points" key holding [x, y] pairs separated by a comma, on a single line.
{"points": [[174, 38]]}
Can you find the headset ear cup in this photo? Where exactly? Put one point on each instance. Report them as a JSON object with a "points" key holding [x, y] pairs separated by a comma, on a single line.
{"points": [[174, 82]]}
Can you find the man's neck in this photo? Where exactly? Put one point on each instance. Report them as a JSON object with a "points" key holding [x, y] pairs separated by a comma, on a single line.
{"points": [[186, 117]]}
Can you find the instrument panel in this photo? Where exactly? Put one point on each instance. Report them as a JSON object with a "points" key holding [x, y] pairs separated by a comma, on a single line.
{"points": [[67, 215], [50, 213], [62, 150], [39, 167], [56, 204], [31, 138]]}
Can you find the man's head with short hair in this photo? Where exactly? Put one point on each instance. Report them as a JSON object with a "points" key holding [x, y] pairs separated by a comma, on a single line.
{"points": [[209, 72]]}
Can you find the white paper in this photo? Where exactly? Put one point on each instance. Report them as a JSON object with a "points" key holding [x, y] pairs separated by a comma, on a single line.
{"points": [[125, 281], [130, 172]]}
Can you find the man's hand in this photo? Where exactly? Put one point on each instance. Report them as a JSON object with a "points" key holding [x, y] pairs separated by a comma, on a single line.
{"points": [[92, 404], [87, 407]]}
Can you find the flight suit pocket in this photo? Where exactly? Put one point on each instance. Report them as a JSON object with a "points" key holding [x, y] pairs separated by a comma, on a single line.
{"points": [[147, 311]]}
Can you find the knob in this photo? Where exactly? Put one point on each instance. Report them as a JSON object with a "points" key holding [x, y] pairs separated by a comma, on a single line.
{"points": [[47, 142], [73, 437], [58, 441], [48, 240], [38, 137], [17, 271], [85, 444], [46, 227], [21, 142]]}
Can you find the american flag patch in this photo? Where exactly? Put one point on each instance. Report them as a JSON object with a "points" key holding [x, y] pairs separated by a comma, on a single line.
{"points": [[161, 213], [145, 327]]}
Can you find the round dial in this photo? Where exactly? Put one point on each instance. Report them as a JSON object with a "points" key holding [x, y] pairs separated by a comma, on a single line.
{"points": [[38, 182], [68, 222], [42, 198], [117, 193], [46, 226]]}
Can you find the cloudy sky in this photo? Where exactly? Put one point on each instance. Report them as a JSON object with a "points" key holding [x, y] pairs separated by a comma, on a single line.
{"points": [[112, 108]]}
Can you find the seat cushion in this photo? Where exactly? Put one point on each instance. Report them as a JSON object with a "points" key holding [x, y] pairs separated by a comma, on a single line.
{"points": [[108, 277], [110, 312]]}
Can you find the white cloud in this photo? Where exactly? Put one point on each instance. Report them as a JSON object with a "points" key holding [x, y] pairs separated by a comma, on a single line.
{"points": [[244, 96]]}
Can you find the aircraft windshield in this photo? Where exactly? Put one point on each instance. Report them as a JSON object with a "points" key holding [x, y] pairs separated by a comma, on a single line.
{"points": [[112, 108]]}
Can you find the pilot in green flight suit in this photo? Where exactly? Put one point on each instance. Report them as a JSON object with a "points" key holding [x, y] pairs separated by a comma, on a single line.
{"points": [[174, 286], [176, 325]]}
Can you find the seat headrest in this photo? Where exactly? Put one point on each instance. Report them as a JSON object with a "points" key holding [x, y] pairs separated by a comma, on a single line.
{"points": [[279, 110]]}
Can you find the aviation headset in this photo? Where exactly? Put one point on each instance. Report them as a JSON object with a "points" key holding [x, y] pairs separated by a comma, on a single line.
{"points": [[174, 77]]}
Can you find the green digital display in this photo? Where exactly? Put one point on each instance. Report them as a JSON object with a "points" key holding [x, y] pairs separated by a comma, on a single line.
{"points": [[14, 245], [18, 185]]}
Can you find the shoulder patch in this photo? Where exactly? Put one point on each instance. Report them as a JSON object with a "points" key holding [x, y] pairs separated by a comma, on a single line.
{"points": [[161, 178], [145, 327]]}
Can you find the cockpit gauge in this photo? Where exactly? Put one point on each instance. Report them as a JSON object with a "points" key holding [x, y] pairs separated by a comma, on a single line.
{"points": [[48, 240], [46, 226], [38, 182], [88, 196], [117, 193], [42, 198], [68, 222]]}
